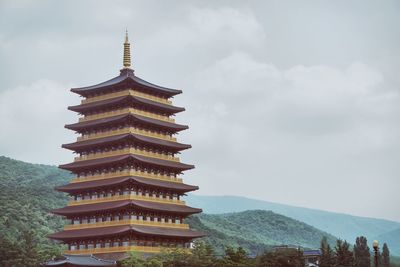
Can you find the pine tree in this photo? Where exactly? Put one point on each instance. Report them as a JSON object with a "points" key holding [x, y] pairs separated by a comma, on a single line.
{"points": [[202, 255], [327, 256], [344, 257], [133, 260], [280, 258], [235, 257], [362, 256], [385, 256]]}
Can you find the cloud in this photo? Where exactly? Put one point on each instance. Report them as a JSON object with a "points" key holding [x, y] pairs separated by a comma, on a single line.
{"points": [[279, 107], [259, 130], [32, 120]]}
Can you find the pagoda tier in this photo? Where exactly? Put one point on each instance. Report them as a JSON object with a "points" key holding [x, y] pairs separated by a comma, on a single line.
{"points": [[124, 181], [99, 208], [124, 159], [126, 195], [127, 118], [126, 79], [123, 139], [127, 99], [139, 230]]}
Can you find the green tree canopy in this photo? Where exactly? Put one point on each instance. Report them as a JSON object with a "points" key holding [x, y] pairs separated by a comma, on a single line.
{"points": [[281, 258]]}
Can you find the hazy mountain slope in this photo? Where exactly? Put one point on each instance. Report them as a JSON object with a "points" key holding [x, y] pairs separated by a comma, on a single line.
{"points": [[340, 225], [260, 227], [392, 238]]}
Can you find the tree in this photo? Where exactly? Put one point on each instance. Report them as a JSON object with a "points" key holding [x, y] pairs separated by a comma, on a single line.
{"points": [[327, 255], [133, 260], [174, 257], [362, 256], [9, 253], [202, 255], [343, 255], [281, 258], [152, 262], [235, 258], [385, 256]]}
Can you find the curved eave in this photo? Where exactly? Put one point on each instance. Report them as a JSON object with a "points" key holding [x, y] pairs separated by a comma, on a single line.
{"points": [[119, 118], [119, 100], [83, 186], [121, 204], [126, 77], [85, 164], [78, 146], [125, 229]]}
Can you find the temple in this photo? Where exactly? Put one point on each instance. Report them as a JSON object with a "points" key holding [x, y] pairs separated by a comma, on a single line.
{"points": [[126, 194]]}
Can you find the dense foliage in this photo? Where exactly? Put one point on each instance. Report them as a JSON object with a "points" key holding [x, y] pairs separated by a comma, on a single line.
{"points": [[26, 196], [203, 255], [360, 255]]}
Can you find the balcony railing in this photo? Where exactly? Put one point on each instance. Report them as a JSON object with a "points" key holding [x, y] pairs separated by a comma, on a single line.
{"points": [[117, 174], [132, 130], [126, 197], [115, 249], [125, 93], [126, 222], [126, 110], [147, 249], [127, 151]]}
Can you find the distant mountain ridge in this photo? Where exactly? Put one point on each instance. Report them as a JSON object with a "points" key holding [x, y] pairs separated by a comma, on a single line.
{"points": [[343, 226], [392, 238]]}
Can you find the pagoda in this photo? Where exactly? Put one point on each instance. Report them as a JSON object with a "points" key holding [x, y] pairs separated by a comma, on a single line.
{"points": [[126, 194]]}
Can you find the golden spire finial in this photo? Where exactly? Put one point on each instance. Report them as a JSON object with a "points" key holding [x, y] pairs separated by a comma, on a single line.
{"points": [[127, 52]]}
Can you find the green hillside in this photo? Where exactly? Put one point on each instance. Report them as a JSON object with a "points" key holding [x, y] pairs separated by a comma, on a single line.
{"points": [[256, 230], [26, 196], [343, 226]]}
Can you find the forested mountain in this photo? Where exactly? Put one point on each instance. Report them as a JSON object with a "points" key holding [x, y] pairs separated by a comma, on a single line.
{"points": [[343, 226], [27, 195], [256, 230]]}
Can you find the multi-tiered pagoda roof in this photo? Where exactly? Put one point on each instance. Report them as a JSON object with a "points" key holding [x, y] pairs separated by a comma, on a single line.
{"points": [[126, 195]]}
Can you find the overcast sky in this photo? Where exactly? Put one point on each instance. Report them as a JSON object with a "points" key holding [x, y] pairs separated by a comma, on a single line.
{"points": [[294, 102]]}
